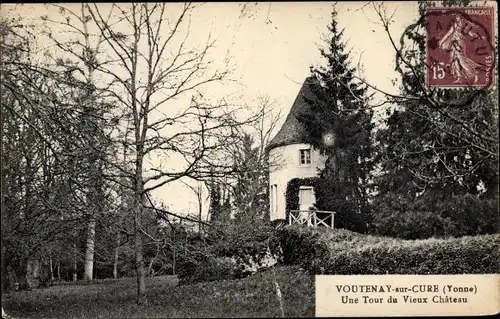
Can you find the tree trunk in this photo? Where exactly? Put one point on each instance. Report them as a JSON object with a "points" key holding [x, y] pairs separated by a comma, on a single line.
{"points": [[139, 260], [3, 218], [116, 257], [58, 270], [89, 252], [33, 273], [173, 262], [21, 278], [200, 209], [75, 265], [51, 267], [138, 244], [5, 275]]}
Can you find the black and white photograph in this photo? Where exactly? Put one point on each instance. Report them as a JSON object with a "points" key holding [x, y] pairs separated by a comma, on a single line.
{"points": [[249, 159]]}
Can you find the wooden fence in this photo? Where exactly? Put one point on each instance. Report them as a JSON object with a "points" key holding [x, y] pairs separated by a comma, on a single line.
{"points": [[313, 218]]}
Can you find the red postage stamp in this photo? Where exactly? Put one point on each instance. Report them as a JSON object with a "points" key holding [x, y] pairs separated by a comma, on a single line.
{"points": [[460, 51]]}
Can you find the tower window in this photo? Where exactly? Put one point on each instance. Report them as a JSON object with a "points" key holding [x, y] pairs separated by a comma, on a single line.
{"points": [[305, 157]]}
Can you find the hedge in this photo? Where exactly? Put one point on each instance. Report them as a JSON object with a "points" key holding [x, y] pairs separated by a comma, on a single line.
{"points": [[299, 244], [347, 253]]}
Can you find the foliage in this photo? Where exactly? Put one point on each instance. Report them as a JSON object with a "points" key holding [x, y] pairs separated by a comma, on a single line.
{"points": [[465, 255], [207, 269], [418, 157], [292, 193], [300, 244], [471, 215], [245, 188], [234, 251], [154, 73], [394, 217], [220, 203], [347, 253], [237, 244], [428, 216], [347, 215], [244, 240], [251, 167], [442, 140], [327, 196]]}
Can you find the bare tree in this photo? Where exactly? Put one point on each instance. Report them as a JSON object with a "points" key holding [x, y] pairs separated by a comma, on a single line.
{"points": [[249, 157], [81, 51], [39, 161], [147, 67]]}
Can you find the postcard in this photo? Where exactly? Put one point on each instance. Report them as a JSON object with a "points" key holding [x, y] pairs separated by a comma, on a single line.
{"points": [[249, 159]]}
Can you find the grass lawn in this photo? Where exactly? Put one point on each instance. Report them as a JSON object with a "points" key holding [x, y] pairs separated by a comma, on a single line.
{"points": [[253, 296]]}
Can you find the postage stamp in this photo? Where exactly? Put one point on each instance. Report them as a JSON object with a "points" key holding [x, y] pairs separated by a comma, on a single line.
{"points": [[460, 50]]}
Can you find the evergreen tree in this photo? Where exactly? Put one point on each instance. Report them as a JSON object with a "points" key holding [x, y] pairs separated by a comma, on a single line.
{"points": [[220, 202], [226, 208], [215, 205], [251, 180], [339, 125]]}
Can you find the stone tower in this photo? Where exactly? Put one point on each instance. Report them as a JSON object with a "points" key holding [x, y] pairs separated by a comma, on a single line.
{"points": [[293, 157]]}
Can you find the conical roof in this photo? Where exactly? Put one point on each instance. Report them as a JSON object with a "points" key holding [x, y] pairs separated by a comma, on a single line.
{"points": [[292, 131]]}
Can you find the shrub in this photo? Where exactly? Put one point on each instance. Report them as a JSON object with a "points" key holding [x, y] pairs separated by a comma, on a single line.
{"points": [[243, 241], [434, 216], [470, 214], [249, 245], [206, 269], [277, 223], [236, 250], [412, 225], [471, 255], [300, 244]]}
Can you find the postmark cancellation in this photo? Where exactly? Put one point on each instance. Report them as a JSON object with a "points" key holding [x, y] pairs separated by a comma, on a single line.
{"points": [[460, 47]]}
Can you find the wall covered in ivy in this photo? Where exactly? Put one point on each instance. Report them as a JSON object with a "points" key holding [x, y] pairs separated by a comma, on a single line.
{"points": [[329, 199], [292, 192]]}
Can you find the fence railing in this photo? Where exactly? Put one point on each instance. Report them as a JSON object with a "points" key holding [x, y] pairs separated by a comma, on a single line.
{"points": [[313, 218]]}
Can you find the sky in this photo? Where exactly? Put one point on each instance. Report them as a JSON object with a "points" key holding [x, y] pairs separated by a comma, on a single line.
{"points": [[271, 47]]}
